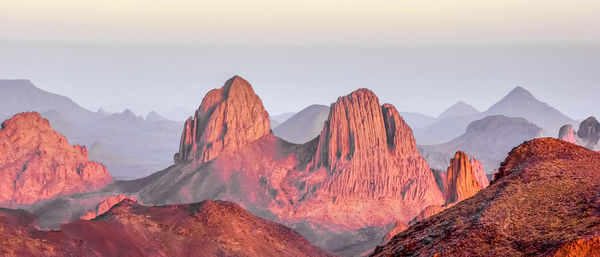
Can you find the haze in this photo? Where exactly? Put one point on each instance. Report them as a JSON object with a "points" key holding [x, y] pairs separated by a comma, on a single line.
{"points": [[421, 56]]}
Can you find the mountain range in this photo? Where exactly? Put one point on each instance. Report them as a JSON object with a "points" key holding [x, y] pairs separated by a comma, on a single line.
{"points": [[355, 185], [131, 146]]}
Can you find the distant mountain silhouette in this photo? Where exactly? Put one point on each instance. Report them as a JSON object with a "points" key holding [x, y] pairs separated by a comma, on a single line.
{"points": [[304, 125], [517, 103], [458, 109], [138, 147], [488, 140]]}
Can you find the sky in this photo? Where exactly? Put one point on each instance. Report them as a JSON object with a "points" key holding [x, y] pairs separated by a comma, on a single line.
{"points": [[421, 56]]}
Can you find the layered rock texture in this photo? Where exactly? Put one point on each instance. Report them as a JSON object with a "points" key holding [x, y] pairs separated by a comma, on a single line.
{"points": [[543, 201], [365, 158], [464, 178], [38, 163], [208, 228], [227, 119]]}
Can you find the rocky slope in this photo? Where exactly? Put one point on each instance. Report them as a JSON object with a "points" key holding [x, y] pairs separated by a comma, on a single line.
{"points": [[543, 200], [128, 229], [38, 163], [365, 158], [463, 179], [488, 139], [304, 125]]}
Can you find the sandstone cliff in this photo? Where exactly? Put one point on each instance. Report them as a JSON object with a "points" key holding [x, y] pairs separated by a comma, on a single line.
{"points": [[38, 163]]}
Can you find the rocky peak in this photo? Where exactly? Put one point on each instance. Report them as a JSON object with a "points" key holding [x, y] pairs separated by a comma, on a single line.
{"points": [[567, 133], [368, 150], [38, 163], [464, 178], [589, 128], [228, 118]]}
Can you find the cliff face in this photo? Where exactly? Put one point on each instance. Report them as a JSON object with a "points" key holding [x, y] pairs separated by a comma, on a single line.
{"points": [[128, 229], [369, 152], [228, 119], [545, 191], [464, 178], [38, 163], [364, 159]]}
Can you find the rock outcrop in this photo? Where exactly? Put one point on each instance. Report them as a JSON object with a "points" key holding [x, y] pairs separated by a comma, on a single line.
{"points": [[365, 158], [105, 205], [207, 229], [369, 152], [543, 198], [228, 119], [567, 133], [464, 178], [38, 163], [589, 133]]}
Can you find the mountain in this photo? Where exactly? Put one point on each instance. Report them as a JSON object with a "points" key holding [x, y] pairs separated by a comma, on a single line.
{"points": [[589, 133], [417, 120], [458, 109], [37, 163], [543, 201], [22, 96], [463, 179], [154, 116], [281, 118], [209, 228], [139, 147], [517, 103], [364, 158], [304, 125], [488, 139]]}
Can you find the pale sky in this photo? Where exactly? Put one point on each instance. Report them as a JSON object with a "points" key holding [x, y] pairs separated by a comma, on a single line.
{"points": [[301, 22], [421, 56]]}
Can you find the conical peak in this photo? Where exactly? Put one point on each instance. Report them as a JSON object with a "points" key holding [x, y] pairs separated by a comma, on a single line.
{"points": [[228, 118]]}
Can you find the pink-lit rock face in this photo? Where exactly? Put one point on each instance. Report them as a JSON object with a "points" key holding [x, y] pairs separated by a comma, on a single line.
{"points": [[209, 228], [364, 159], [546, 191], [464, 178], [105, 205], [228, 119], [38, 163], [567, 133], [479, 173]]}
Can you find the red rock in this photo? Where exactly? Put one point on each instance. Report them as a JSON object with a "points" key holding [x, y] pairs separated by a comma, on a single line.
{"points": [[105, 205], [38, 163], [228, 119], [130, 229], [585, 247], [364, 159], [543, 200], [464, 178]]}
